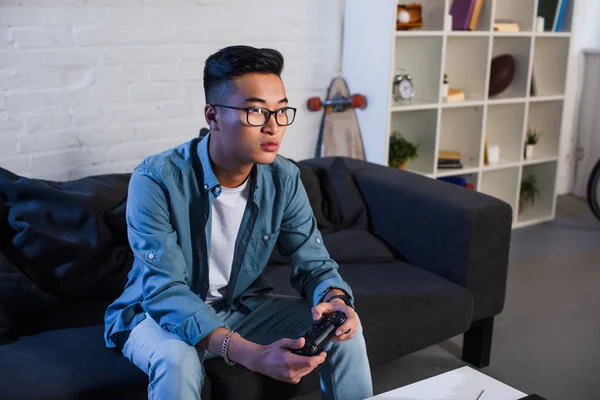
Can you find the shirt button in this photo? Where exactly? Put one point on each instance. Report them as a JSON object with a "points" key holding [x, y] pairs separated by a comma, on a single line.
{"points": [[205, 187], [266, 237], [318, 240], [217, 190], [151, 256]]}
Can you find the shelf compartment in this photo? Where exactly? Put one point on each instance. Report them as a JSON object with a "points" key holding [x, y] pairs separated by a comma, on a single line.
{"points": [[519, 48], [418, 127], [549, 66], [421, 58], [545, 175], [520, 11], [501, 184], [504, 128], [460, 130], [432, 14], [546, 118], [465, 66]]}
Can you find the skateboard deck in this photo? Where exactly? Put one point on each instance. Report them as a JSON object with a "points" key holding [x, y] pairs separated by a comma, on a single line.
{"points": [[339, 134]]}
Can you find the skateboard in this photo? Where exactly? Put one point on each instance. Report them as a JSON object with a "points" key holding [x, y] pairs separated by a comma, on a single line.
{"points": [[339, 134]]}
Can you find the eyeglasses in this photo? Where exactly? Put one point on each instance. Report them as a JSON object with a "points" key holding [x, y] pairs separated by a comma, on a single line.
{"points": [[260, 116]]}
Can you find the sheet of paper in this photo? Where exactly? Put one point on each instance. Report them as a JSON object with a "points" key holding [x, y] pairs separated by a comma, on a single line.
{"points": [[461, 384]]}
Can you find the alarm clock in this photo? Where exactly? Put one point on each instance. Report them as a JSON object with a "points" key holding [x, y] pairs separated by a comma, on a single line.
{"points": [[403, 87]]}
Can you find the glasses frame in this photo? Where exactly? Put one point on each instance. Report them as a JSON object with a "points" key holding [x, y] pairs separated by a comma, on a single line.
{"points": [[267, 118]]}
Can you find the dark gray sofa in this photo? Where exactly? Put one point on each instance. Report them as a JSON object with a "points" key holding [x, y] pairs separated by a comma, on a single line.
{"points": [[426, 260]]}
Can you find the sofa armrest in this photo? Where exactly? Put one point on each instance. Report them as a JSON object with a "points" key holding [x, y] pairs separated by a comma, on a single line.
{"points": [[461, 235]]}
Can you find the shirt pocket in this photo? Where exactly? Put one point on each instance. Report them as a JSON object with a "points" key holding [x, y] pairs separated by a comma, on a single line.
{"points": [[260, 247]]}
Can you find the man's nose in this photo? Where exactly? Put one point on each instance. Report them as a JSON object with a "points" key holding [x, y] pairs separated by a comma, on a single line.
{"points": [[271, 127]]}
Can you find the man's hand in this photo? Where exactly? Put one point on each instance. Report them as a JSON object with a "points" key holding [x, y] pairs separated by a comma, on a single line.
{"points": [[277, 361], [348, 329]]}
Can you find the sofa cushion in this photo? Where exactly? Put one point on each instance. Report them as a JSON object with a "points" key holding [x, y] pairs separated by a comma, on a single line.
{"points": [[20, 298], [334, 197], [67, 240], [63, 357], [366, 248], [354, 246]]}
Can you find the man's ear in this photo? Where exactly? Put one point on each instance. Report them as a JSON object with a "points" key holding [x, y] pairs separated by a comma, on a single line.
{"points": [[210, 114]]}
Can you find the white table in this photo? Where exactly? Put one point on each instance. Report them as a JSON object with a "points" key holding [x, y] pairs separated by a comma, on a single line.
{"points": [[461, 384]]}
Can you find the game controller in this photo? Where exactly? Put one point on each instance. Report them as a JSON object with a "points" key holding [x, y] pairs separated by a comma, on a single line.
{"points": [[320, 334]]}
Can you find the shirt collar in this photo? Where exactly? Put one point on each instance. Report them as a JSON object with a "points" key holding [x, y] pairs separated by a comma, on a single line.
{"points": [[210, 180]]}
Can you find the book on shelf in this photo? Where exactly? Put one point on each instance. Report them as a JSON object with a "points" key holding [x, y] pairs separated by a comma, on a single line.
{"points": [[448, 161], [506, 26], [560, 15], [465, 14], [475, 15], [462, 11], [455, 95], [548, 9], [450, 166], [449, 155]]}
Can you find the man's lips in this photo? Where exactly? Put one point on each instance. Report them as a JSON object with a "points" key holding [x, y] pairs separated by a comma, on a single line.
{"points": [[270, 145]]}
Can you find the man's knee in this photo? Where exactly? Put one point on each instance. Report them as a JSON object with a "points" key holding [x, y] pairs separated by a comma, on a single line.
{"points": [[356, 344], [177, 357]]}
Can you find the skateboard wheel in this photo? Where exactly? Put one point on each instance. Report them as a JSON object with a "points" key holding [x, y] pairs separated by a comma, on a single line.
{"points": [[359, 101], [314, 104]]}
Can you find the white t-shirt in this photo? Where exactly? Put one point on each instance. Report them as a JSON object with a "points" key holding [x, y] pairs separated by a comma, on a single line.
{"points": [[227, 212]]}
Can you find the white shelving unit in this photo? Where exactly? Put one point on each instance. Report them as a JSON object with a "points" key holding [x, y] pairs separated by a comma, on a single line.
{"points": [[374, 51]]}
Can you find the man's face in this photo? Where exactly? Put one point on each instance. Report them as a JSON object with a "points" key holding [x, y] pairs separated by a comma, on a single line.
{"points": [[239, 139]]}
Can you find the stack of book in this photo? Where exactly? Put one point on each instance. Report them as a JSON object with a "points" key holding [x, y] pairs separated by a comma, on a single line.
{"points": [[449, 159], [465, 14]]}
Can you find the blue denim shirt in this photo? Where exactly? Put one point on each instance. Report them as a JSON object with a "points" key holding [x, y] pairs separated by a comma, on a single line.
{"points": [[168, 224]]}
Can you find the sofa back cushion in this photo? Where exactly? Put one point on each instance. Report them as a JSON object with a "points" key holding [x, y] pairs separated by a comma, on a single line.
{"points": [[341, 214], [68, 239]]}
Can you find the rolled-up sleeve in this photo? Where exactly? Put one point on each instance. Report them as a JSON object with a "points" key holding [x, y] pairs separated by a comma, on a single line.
{"points": [[159, 260], [300, 242]]}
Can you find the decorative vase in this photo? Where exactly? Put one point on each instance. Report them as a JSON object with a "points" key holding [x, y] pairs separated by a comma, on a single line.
{"points": [[529, 151], [445, 89], [402, 165], [539, 24]]}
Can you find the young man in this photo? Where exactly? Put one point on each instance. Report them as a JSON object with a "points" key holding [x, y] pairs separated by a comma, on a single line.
{"points": [[203, 219]]}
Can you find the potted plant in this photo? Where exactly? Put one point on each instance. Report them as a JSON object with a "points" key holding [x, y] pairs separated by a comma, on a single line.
{"points": [[533, 137], [445, 87], [401, 151], [529, 192]]}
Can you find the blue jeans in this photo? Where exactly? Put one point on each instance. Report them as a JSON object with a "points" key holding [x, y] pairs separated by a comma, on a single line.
{"points": [[175, 368]]}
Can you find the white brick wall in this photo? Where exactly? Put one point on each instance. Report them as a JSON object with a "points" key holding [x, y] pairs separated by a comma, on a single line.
{"points": [[92, 87]]}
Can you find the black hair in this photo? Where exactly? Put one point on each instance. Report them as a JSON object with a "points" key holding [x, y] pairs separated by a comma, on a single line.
{"points": [[234, 61]]}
